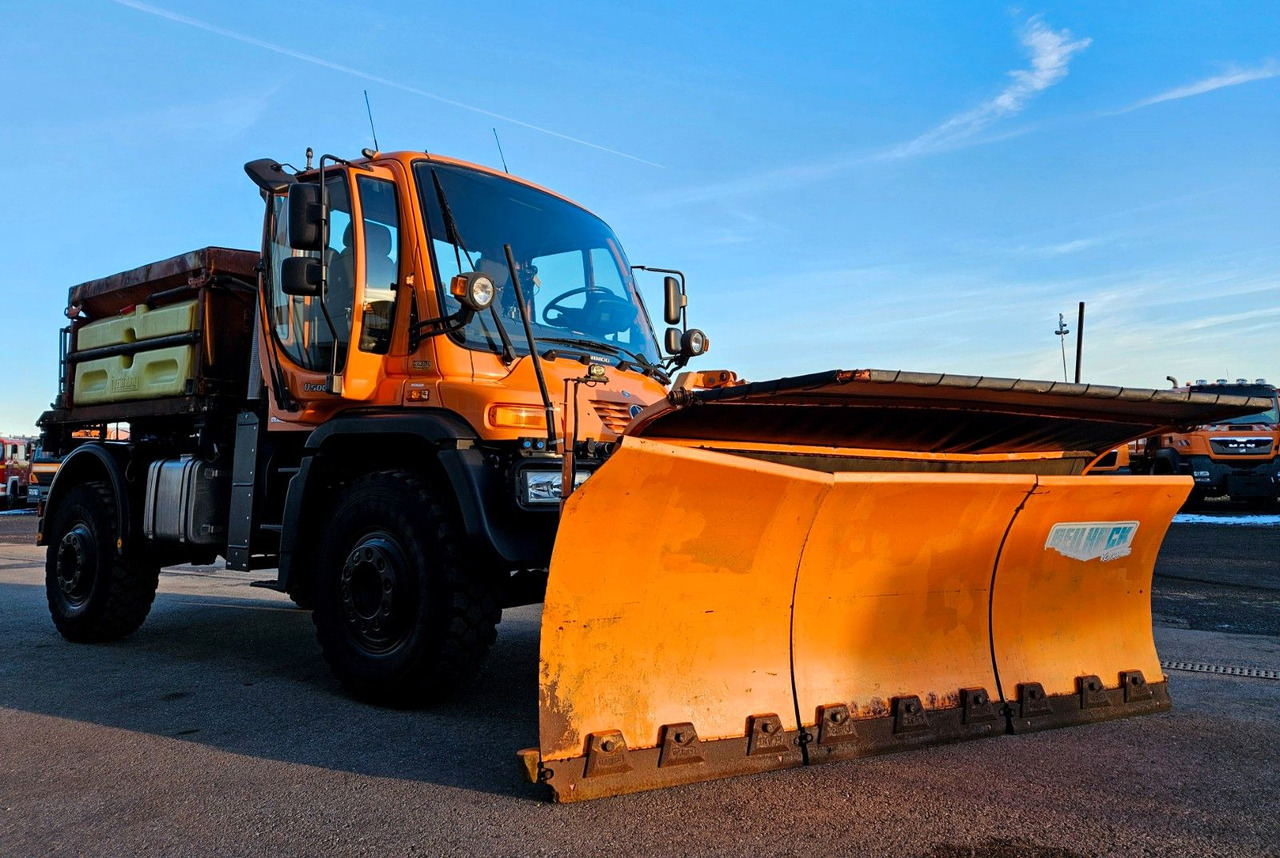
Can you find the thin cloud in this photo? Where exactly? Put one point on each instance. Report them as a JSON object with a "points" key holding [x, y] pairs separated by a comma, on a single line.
{"points": [[308, 58], [1050, 51], [1235, 77]]}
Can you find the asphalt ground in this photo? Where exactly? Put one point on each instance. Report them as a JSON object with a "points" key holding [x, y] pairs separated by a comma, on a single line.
{"points": [[217, 730]]}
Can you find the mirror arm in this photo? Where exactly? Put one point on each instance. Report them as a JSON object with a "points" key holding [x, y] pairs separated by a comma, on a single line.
{"points": [[684, 312], [428, 328]]}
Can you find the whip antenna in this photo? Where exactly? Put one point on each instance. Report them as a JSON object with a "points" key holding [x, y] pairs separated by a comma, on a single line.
{"points": [[369, 110], [500, 155]]}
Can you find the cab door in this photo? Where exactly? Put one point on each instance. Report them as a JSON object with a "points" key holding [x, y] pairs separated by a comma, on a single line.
{"points": [[379, 270]]}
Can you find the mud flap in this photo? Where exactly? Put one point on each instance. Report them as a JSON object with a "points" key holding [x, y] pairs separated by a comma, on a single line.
{"points": [[1071, 606]]}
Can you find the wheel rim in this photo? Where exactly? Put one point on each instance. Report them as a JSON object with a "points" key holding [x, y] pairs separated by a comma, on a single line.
{"points": [[377, 594], [76, 566]]}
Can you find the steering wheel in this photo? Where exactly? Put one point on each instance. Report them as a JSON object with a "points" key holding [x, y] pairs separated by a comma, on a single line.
{"points": [[605, 313]]}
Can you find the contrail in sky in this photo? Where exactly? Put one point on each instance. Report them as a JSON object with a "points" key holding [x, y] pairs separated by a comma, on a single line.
{"points": [[308, 58]]}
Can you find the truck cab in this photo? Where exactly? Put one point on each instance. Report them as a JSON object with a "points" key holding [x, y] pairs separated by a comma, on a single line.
{"points": [[383, 404], [15, 471], [1238, 457]]}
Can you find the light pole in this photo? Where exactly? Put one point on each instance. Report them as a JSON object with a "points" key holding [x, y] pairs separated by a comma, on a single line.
{"points": [[1062, 340]]}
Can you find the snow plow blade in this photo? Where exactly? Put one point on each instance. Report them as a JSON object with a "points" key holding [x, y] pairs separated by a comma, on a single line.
{"points": [[813, 569]]}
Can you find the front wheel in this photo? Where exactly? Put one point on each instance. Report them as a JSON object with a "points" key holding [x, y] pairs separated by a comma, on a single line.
{"points": [[94, 594], [399, 617]]}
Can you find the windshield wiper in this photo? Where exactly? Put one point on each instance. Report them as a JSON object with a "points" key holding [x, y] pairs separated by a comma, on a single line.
{"points": [[634, 358]]}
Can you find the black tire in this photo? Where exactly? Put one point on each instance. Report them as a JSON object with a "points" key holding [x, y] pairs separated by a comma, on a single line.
{"points": [[399, 617], [94, 594]]}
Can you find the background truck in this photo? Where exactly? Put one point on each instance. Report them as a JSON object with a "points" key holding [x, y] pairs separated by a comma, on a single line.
{"points": [[15, 471], [389, 402], [1235, 457]]}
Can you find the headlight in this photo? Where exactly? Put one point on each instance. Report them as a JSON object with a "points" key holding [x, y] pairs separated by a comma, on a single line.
{"points": [[473, 289], [542, 487]]}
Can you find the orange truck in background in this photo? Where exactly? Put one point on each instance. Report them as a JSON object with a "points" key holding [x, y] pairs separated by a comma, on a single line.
{"points": [[1236, 458], [15, 471]]}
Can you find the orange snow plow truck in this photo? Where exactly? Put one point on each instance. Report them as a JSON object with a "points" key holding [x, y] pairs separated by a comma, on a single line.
{"points": [[435, 392]]}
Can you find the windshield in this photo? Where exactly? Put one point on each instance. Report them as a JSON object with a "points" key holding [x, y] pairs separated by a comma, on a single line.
{"points": [[1271, 415], [573, 274], [1268, 416]]}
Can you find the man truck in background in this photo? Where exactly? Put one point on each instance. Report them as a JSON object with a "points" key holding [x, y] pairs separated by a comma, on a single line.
{"points": [[434, 392], [1235, 457]]}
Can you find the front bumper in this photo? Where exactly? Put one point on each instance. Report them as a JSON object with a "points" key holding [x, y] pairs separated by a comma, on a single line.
{"points": [[1213, 477]]}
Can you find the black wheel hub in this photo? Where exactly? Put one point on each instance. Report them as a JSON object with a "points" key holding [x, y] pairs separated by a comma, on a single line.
{"points": [[76, 565], [376, 592]]}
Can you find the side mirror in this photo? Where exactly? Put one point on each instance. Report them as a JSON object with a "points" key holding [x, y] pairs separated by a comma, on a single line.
{"points": [[674, 301], [673, 341], [300, 276], [306, 217], [690, 344]]}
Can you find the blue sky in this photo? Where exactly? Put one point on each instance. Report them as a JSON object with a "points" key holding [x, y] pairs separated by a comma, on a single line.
{"points": [[919, 186]]}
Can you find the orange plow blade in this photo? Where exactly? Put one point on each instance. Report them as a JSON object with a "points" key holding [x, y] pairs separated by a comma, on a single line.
{"points": [[842, 565], [666, 627], [1071, 608], [890, 627]]}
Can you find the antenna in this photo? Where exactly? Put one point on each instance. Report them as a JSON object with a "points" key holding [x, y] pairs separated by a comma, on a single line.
{"points": [[369, 110], [500, 155]]}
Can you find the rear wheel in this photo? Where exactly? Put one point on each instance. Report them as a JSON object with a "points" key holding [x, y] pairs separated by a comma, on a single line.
{"points": [[94, 594], [400, 618]]}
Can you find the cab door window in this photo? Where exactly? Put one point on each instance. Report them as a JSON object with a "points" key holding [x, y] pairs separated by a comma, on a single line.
{"points": [[380, 227], [299, 323]]}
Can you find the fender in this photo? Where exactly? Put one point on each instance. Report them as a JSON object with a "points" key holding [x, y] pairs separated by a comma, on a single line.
{"points": [[91, 461], [473, 486]]}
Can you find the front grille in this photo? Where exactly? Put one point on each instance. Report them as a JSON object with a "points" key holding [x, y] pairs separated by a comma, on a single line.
{"points": [[1240, 446], [614, 415]]}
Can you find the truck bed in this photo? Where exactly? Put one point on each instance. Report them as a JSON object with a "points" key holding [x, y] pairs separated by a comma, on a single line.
{"points": [[201, 354]]}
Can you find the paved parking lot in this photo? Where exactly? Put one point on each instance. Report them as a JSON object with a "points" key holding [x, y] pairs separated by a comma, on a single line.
{"points": [[216, 729]]}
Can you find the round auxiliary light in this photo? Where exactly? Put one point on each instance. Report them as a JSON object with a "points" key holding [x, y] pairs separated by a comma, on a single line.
{"points": [[595, 371], [481, 288], [473, 289], [694, 343]]}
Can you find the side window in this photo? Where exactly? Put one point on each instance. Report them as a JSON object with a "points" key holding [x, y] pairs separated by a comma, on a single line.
{"points": [[380, 224], [299, 323]]}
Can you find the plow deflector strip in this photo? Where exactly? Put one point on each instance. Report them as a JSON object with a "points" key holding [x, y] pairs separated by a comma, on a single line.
{"points": [[709, 614]]}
